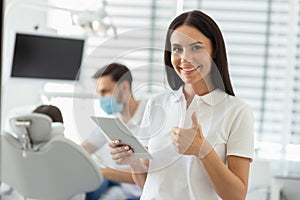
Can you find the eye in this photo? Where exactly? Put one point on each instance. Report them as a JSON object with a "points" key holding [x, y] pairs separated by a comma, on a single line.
{"points": [[176, 49], [197, 48]]}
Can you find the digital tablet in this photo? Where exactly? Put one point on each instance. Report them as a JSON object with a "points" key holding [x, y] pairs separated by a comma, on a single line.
{"points": [[115, 129]]}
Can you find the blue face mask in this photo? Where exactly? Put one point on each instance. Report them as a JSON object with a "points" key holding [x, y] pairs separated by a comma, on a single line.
{"points": [[110, 105]]}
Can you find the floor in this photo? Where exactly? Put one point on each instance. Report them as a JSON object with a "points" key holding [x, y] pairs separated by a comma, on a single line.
{"points": [[114, 193]]}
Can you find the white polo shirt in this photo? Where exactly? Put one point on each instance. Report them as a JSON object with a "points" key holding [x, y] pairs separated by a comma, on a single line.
{"points": [[98, 139], [227, 123]]}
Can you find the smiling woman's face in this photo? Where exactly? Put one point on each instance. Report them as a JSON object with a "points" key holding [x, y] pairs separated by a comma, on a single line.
{"points": [[191, 54]]}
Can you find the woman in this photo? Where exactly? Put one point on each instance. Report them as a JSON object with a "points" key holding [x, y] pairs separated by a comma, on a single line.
{"points": [[203, 147]]}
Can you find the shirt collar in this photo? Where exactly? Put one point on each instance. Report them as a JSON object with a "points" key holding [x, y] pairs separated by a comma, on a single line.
{"points": [[178, 94], [212, 98]]}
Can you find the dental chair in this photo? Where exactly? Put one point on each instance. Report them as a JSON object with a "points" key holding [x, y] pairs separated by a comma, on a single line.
{"points": [[40, 163]]}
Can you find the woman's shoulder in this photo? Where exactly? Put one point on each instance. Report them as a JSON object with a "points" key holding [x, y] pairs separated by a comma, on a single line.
{"points": [[238, 103], [221, 98]]}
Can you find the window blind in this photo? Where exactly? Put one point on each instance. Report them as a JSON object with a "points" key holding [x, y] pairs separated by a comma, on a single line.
{"points": [[295, 126]]}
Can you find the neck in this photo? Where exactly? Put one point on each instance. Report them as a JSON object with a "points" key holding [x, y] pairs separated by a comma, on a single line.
{"points": [[199, 88], [129, 109], [203, 86]]}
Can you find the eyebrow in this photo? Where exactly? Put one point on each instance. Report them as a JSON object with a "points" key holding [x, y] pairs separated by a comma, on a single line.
{"points": [[103, 90], [197, 42]]}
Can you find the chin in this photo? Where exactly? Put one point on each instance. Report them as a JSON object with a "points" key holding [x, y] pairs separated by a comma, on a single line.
{"points": [[187, 80], [193, 81]]}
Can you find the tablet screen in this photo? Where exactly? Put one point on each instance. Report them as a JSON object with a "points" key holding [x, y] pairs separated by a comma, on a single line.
{"points": [[115, 129]]}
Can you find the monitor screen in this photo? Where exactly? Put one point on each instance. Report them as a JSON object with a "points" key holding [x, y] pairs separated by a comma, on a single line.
{"points": [[46, 57]]}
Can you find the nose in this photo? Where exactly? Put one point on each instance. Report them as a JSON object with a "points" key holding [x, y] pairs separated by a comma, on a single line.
{"points": [[185, 57], [190, 60]]}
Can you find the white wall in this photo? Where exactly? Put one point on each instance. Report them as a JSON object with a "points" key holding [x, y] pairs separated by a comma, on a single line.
{"points": [[20, 96], [19, 16]]}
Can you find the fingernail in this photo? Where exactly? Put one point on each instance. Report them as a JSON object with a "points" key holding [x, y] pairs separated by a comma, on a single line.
{"points": [[126, 148]]}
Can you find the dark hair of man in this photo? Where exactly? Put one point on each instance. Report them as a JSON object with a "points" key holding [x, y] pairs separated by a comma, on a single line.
{"points": [[52, 111], [210, 29], [117, 71]]}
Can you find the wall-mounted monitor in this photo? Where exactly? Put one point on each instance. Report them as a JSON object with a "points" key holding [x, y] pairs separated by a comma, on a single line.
{"points": [[46, 57]]}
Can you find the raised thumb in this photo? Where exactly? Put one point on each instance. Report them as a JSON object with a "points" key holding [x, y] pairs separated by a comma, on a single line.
{"points": [[194, 121]]}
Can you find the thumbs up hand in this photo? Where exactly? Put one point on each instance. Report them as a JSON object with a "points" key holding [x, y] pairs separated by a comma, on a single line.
{"points": [[188, 141]]}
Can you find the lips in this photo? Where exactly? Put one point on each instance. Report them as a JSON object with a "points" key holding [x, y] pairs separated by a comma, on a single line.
{"points": [[190, 69]]}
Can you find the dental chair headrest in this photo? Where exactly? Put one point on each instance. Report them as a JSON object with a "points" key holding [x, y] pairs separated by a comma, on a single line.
{"points": [[39, 127]]}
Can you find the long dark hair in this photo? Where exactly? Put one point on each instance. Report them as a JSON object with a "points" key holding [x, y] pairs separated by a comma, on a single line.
{"points": [[210, 29]]}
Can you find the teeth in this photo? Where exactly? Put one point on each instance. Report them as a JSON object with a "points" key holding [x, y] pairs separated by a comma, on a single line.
{"points": [[191, 69], [188, 70]]}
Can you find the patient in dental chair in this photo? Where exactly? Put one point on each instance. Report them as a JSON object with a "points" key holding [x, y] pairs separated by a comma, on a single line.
{"points": [[50, 110], [57, 126], [40, 162], [55, 114]]}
